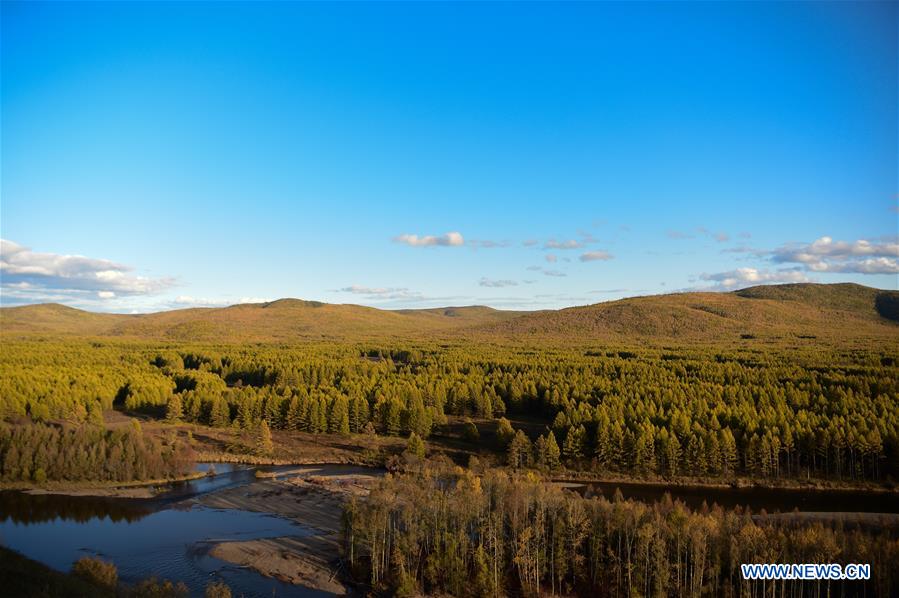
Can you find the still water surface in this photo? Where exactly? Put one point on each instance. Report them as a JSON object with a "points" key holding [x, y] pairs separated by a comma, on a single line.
{"points": [[770, 499], [166, 538], [159, 537]]}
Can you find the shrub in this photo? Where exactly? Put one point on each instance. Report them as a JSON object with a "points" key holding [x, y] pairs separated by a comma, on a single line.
{"points": [[218, 589], [97, 572]]}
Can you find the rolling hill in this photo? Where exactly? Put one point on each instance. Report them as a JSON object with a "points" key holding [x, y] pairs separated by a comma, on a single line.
{"points": [[283, 320], [806, 310], [794, 310]]}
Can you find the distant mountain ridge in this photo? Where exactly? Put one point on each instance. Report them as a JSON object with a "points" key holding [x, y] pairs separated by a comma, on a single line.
{"points": [[803, 310], [815, 310], [282, 320]]}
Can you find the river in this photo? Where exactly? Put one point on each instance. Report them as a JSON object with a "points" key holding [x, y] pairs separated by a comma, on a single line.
{"points": [[170, 536], [771, 500], [163, 537]]}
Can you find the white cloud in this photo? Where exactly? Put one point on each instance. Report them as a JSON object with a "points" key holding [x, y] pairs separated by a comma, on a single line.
{"points": [[552, 258], [35, 276], [487, 282], [742, 277], [451, 239], [399, 297], [587, 237], [383, 293], [593, 256], [362, 290], [556, 273], [190, 301], [720, 237], [872, 265], [616, 291], [744, 249], [487, 244], [827, 255], [569, 244]]}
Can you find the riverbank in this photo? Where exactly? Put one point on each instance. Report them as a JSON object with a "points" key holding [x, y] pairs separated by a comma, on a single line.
{"points": [[304, 561], [141, 489], [738, 483], [21, 576], [312, 496], [148, 489], [869, 520]]}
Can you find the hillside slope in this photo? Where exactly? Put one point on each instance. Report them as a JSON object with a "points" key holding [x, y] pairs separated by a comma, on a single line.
{"points": [[796, 310], [810, 310], [283, 320], [53, 318]]}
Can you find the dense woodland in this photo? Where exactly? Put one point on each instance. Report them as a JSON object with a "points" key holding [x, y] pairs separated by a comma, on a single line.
{"points": [[760, 409], [42, 452], [771, 412], [442, 529]]}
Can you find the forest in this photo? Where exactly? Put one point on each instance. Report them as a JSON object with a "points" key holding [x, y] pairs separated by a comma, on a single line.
{"points": [[475, 434], [42, 452], [442, 529], [710, 412]]}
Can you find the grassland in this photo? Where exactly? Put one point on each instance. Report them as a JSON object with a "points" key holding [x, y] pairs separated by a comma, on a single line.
{"points": [[835, 314]]}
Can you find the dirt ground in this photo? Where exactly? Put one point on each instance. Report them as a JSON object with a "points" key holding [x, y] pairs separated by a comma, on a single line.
{"points": [[303, 561], [139, 492], [313, 497]]}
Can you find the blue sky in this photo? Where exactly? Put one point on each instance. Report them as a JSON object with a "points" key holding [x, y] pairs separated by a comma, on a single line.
{"points": [[161, 155]]}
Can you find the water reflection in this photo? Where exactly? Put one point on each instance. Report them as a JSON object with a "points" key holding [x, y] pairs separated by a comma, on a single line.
{"points": [[770, 499], [224, 475], [165, 536], [160, 544], [23, 508]]}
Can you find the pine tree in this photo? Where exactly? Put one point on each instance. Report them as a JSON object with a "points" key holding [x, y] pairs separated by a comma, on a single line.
{"points": [[672, 454], [273, 411], [574, 443], [173, 412], [357, 420], [603, 451], [695, 455], [95, 414], [294, 414], [415, 446], [313, 416], [245, 414], [339, 417], [644, 450], [504, 433], [729, 456], [552, 451], [221, 413], [264, 444], [540, 452], [321, 422], [519, 452], [391, 418]]}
